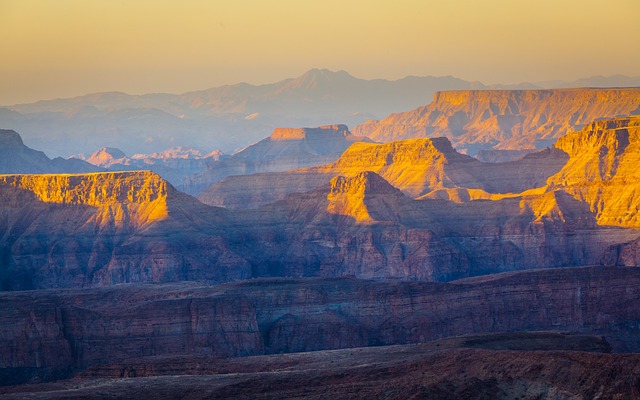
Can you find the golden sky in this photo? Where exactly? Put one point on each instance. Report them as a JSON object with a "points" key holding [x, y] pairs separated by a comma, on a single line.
{"points": [[61, 48]]}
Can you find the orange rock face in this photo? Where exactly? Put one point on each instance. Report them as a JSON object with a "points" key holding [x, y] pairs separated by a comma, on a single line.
{"points": [[603, 170], [504, 119], [107, 228], [417, 167], [133, 199]]}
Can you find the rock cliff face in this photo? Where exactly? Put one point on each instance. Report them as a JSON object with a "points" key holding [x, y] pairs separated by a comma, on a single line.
{"points": [[286, 149], [416, 167], [107, 228], [603, 169], [504, 119], [16, 158], [472, 218], [56, 333], [364, 227]]}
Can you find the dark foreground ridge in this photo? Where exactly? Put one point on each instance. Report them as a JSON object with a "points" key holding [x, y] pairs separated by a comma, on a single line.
{"points": [[56, 334], [503, 366]]}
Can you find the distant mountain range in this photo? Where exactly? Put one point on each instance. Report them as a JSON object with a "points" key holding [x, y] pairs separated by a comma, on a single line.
{"points": [[233, 116]]}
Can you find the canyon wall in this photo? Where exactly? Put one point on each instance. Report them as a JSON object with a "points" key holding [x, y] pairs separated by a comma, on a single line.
{"points": [[52, 334], [477, 120], [107, 228], [603, 169], [415, 166], [286, 149]]}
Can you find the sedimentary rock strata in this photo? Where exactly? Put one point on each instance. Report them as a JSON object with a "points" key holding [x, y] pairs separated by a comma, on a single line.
{"points": [[504, 119]]}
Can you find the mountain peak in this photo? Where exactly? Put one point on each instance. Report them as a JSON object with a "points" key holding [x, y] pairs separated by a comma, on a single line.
{"points": [[365, 197], [365, 183], [10, 139], [315, 78], [105, 155], [324, 73]]}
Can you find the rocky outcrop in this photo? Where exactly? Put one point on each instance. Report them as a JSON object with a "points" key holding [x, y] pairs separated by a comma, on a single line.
{"points": [[364, 227], [504, 119], [286, 149], [417, 167], [602, 170], [62, 332], [16, 158], [107, 228]]}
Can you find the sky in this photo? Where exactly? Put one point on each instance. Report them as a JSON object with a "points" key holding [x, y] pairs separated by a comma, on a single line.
{"points": [[64, 48]]}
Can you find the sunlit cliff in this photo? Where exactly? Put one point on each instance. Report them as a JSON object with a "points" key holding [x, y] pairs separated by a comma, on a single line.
{"points": [[131, 199], [504, 119]]}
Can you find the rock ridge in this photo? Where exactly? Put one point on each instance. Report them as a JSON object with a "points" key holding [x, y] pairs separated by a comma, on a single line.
{"points": [[504, 119], [56, 333], [602, 169]]}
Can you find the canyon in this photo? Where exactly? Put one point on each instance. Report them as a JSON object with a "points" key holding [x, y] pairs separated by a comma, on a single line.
{"points": [[54, 334], [416, 166], [413, 209], [317, 260]]}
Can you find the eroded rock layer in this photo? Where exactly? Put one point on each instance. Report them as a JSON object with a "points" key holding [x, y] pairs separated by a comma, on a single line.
{"points": [[416, 166], [285, 149], [504, 119], [603, 170], [58, 333], [107, 228]]}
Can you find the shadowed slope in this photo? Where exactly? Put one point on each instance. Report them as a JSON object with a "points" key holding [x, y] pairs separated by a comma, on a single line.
{"points": [[285, 149], [363, 226], [107, 228], [16, 158], [56, 333]]}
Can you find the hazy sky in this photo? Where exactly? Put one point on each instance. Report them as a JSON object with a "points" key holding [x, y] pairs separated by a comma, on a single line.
{"points": [[61, 48]]}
